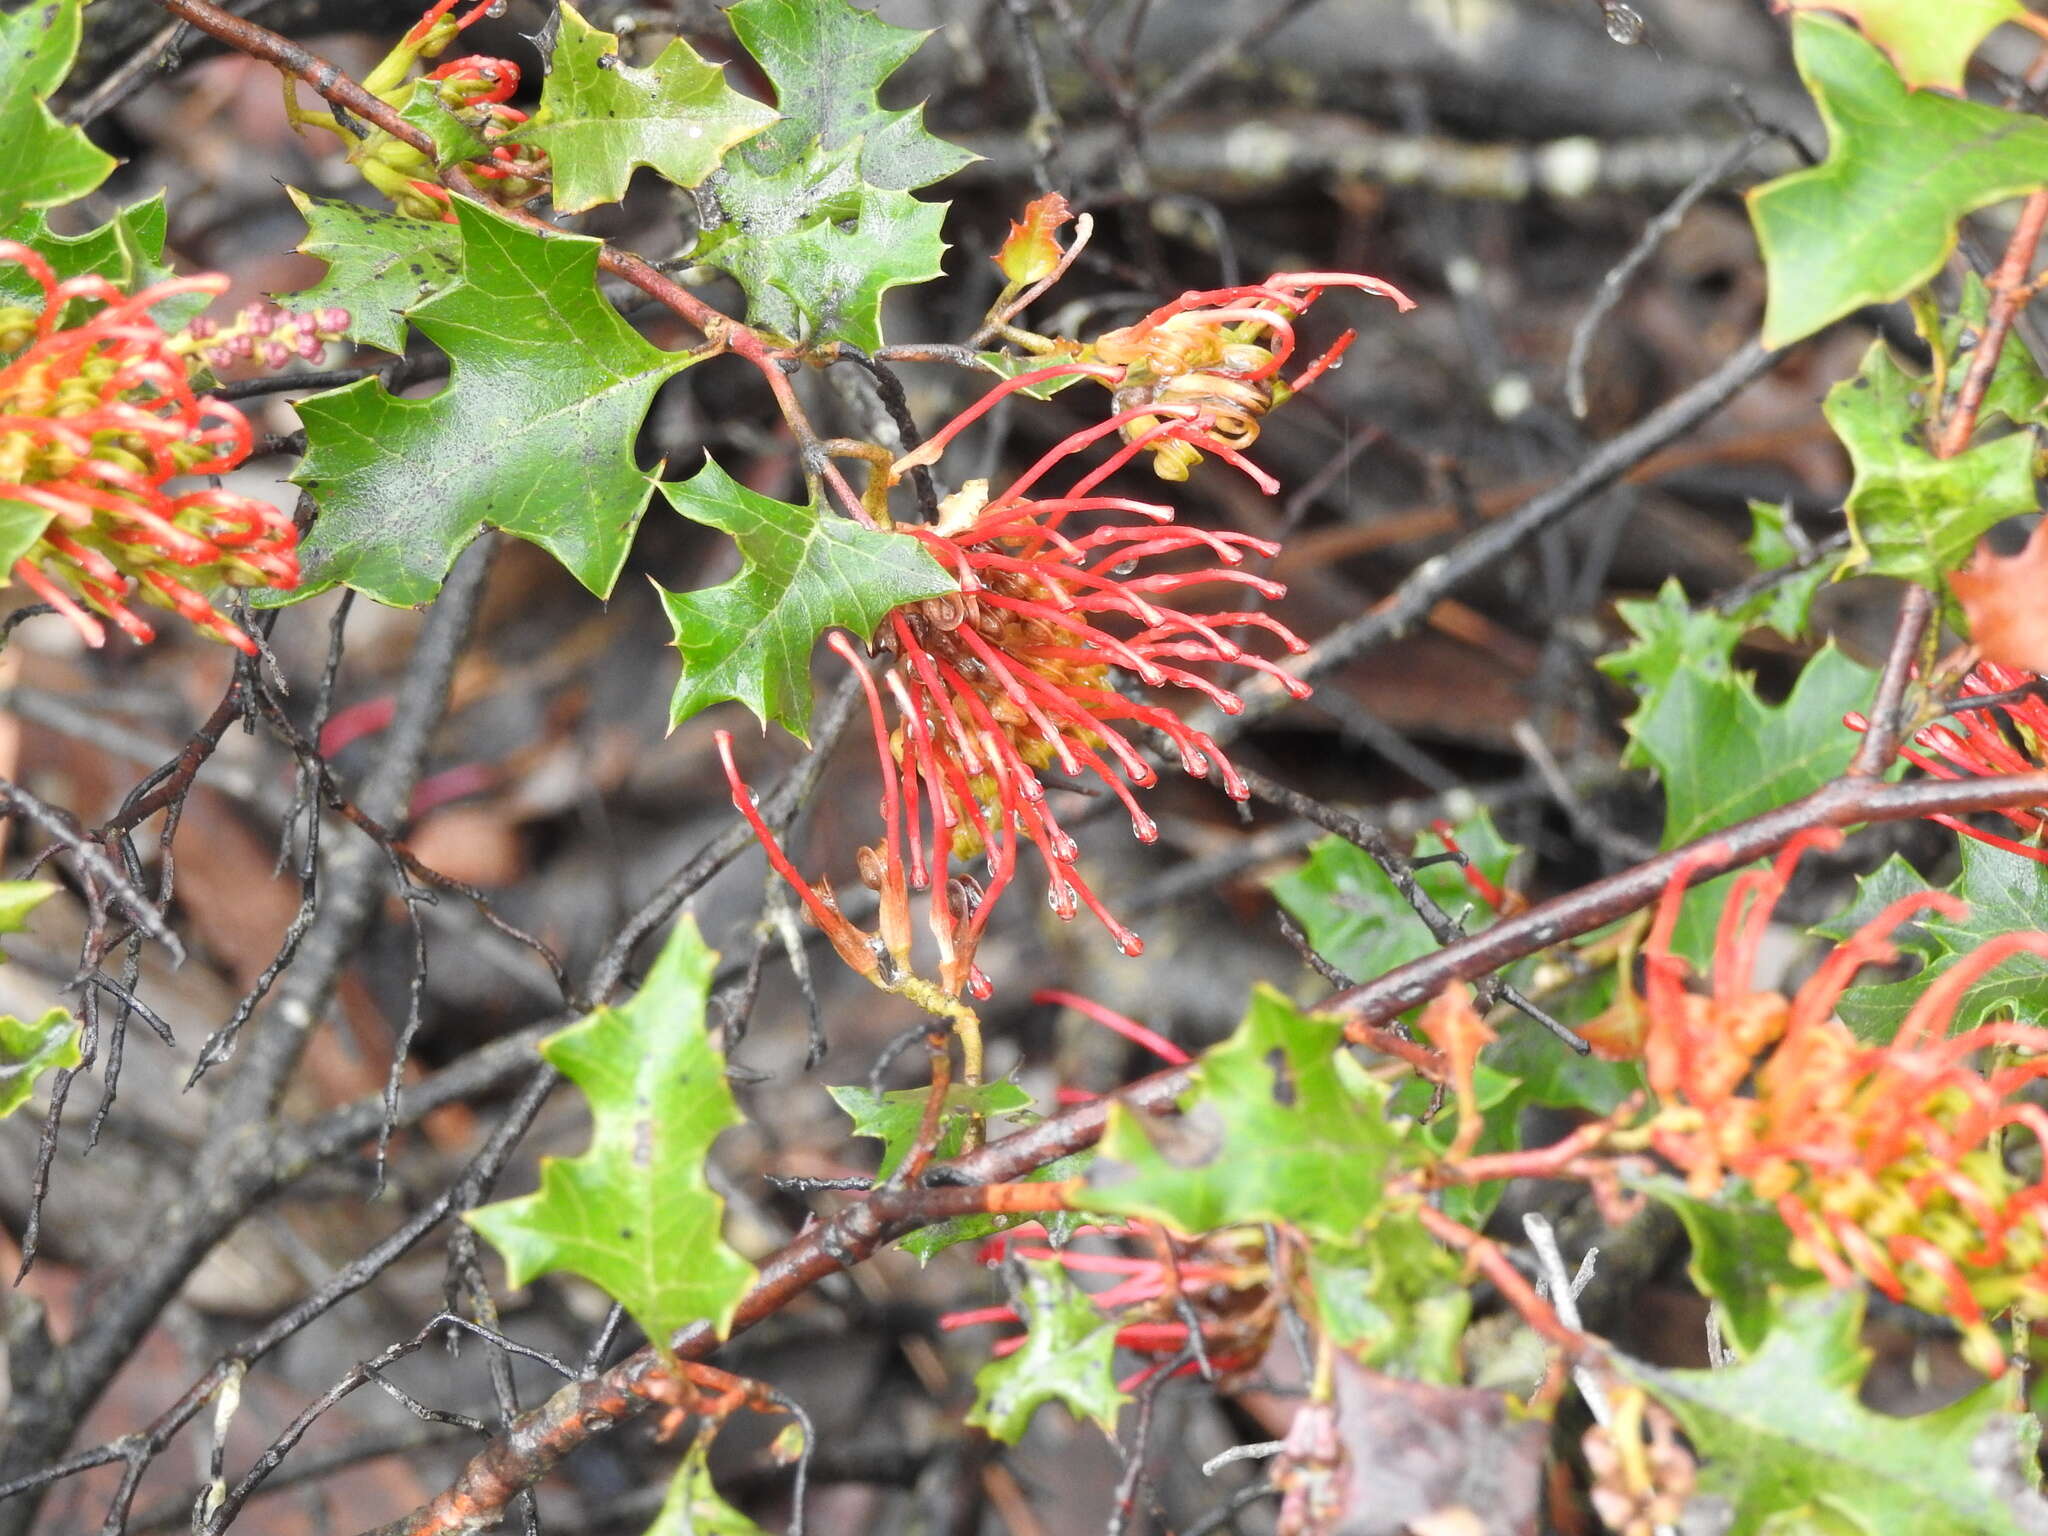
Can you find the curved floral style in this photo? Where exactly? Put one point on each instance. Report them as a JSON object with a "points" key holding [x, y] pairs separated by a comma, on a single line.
{"points": [[96, 420]]}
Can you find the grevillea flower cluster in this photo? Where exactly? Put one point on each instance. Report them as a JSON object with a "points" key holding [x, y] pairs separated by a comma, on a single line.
{"points": [[99, 417], [1884, 1160], [1034, 665], [1981, 744]]}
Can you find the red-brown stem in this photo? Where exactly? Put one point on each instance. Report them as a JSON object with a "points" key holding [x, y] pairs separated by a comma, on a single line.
{"points": [[2011, 287], [1521, 1295]]}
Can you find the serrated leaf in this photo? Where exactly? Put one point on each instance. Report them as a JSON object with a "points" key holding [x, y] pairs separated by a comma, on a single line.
{"points": [[1670, 635], [47, 162], [18, 898], [29, 1050], [2005, 893], [804, 571], [379, 265], [127, 250], [1058, 1225], [1787, 605], [1928, 41], [1741, 1255], [692, 1506], [1724, 755], [1358, 921], [1280, 1123], [533, 434], [600, 118], [2018, 390], [1395, 1302], [893, 1118], [1066, 1357], [1878, 217], [454, 140], [813, 215], [635, 1213], [1912, 515], [1784, 1439]]}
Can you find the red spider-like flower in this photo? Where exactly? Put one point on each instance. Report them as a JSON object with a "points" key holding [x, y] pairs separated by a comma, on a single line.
{"points": [[1978, 745], [1884, 1160], [96, 419]]}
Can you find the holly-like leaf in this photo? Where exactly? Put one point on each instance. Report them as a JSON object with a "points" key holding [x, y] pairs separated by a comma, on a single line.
{"points": [[1670, 636], [533, 435], [2005, 893], [1776, 544], [1725, 755], [1741, 1256], [1786, 1445], [1911, 514], [693, 1507], [1358, 921], [27, 1050], [635, 1214], [454, 139], [813, 215], [1878, 217], [1929, 41], [600, 117], [379, 265], [893, 1118], [48, 162], [805, 571], [2018, 390], [1066, 1358], [1395, 1302], [1279, 1124], [18, 898], [127, 250]]}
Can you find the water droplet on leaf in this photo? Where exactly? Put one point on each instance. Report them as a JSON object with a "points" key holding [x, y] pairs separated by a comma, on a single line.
{"points": [[1624, 24]]}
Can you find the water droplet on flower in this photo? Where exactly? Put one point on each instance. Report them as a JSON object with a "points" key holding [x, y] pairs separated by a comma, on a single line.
{"points": [[1063, 847], [1125, 568], [495, 10], [1144, 828], [1061, 898], [1624, 24], [1130, 943]]}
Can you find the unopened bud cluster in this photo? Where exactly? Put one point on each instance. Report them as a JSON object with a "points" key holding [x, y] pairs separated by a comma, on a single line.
{"points": [[262, 334]]}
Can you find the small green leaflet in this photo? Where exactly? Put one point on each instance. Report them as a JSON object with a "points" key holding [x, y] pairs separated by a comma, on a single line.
{"points": [[1360, 923], [693, 1507], [2006, 894], [18, 898], [813, 216], [2018, 390], [1785, 1443], [1787, 605], [533, 435], [1724, 755], [1929, 41], [634, 1214], [127, 250], [1396, 1302], [1878, 217], [893, 1118], [1670, 636], [1741, 1255], [1058, 1225], [379, 265], [1912, 515], [29, 1050], [1066, 1357], [48, 162], [804, 571], [454, 140], [600, 117], [1280, 1124]]}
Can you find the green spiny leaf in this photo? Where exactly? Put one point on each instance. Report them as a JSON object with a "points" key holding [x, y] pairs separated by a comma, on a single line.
{"points": [[1788, 1447], [48, 162], [805, 571], [2005, 893], [1787, 605], [127, 250], [1878, 217], [600, 117], [454, 139], [1929, 41], [29, 1050], [1670, 636], [1913, 515], [693, 1507], [1396, 1301], [893, 1118], [1066, 1357], [1280, 1124], [379, 265], [1741, 1256], [635, 1214], [533, 434], [1724, 755], [18, 898]]}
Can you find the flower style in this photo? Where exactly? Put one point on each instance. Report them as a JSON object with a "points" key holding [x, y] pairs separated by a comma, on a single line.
{"points": [[1977, 745], [97, 418], [1884, 1160]]}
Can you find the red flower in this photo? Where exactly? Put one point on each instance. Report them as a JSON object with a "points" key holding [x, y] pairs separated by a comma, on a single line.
{"points": [[97, 419]]}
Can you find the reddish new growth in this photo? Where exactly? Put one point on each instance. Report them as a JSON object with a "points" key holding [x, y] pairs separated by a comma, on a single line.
{"points": [[1980, 745], [96, 420], [1019, 672], [1884, 1160]]}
